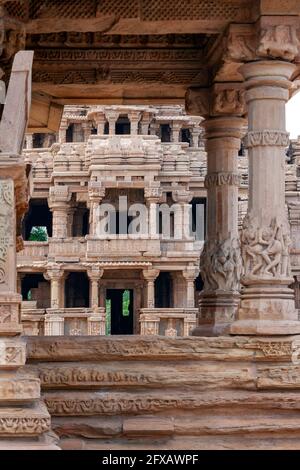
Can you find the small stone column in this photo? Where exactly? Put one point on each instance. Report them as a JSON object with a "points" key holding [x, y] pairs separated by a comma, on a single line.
{"points": [[134, 118], [29, 141], [96, 194], [150, 275], [196, 132], [190, 275], [62, 133], [152, 196], [55, 275], [182, 215], [94, 275], [59, 204], [267, 303], [175, 132], [112, 117], [87, 129]]}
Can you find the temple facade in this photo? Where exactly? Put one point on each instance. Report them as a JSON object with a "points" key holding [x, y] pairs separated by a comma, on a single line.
{"points": [[73, 280]]}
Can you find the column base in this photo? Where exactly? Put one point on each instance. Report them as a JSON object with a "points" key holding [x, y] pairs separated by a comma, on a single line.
{"points": [[267, 309], [217, 311]]}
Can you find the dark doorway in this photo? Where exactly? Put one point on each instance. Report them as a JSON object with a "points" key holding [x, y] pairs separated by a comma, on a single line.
{"points": [[119, 311], [34, 287], [123, 126], [163, 290], [37, 223], [77, 290]]}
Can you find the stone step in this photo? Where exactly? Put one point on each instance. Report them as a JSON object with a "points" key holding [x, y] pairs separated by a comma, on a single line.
{"points": [[157, 348], [28, 421], [138, 375], [189, 424], [17, 388], [62, 403]]}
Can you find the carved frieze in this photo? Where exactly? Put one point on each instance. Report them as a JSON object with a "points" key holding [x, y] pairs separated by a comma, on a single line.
{"points": [[265, 250], [279, 41], [222, 179], [267, 137], [221, 265]]}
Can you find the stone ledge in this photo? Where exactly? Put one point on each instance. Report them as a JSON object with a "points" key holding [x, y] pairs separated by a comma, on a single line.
{"points": [[157, 348], [27, 421], [19, 388]]}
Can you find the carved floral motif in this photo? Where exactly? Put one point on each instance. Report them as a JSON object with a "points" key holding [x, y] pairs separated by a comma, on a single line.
{"points": [[265, 250], [220, 265], [269, 137], [222, 178]]}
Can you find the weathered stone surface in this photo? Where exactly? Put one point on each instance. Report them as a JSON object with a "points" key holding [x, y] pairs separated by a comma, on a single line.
{"points": [[32, 420], [18, 388], [12, 353], [64, 349]]}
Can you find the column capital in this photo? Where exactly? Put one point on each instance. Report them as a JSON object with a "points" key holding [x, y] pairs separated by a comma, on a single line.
{"points": [[222, 99], [54, 273], [190, 273], [152, 194], [95, 273], [59, 195], [150, 274], [182, 196], [96, 191]]}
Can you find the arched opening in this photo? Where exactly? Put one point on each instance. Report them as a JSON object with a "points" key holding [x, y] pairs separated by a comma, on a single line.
{"points": [[123, 125]]}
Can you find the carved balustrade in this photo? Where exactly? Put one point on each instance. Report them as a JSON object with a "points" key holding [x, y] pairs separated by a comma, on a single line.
{"points": [[170, 322]]}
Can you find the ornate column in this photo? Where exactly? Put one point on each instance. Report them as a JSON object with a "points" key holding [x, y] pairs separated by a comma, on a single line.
{"points": [[29, 141], [94, 275], [220, 263], [62, 133], [112, 117], [134, 118], [152, 195], [176, 128], [196, 132], [59, 204], [190, 275], [150, 275], [182, 215], [55, 275], [96, 194], [87, 129], [267, 303]]}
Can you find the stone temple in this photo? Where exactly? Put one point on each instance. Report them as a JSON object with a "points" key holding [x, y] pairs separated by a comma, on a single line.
{"points": [[149, 225]]}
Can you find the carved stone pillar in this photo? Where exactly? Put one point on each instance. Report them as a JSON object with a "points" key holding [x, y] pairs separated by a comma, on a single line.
{"points": [[182, 215], [134, 118], [267, 303], [112, 117], [59, 204], [196, 132], [62, 133], [96, 194], [190, 275], [220, 259], [29, 141], [87, 129], [150, 275], [176, 128], [94, 275], [55, 275], [152, 196]]}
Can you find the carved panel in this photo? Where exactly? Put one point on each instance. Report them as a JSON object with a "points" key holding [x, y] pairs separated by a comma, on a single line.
{"points": [[221, 265], [221, 179], [265, 250], [6, 224], [269, 137], [279, 41]]}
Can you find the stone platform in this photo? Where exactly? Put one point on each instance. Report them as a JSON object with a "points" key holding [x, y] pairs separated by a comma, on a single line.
{"points": [[160, 393]]}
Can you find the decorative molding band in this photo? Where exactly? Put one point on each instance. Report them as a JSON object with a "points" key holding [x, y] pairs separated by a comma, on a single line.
{"points": [[222, 179], [270, 137]]}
